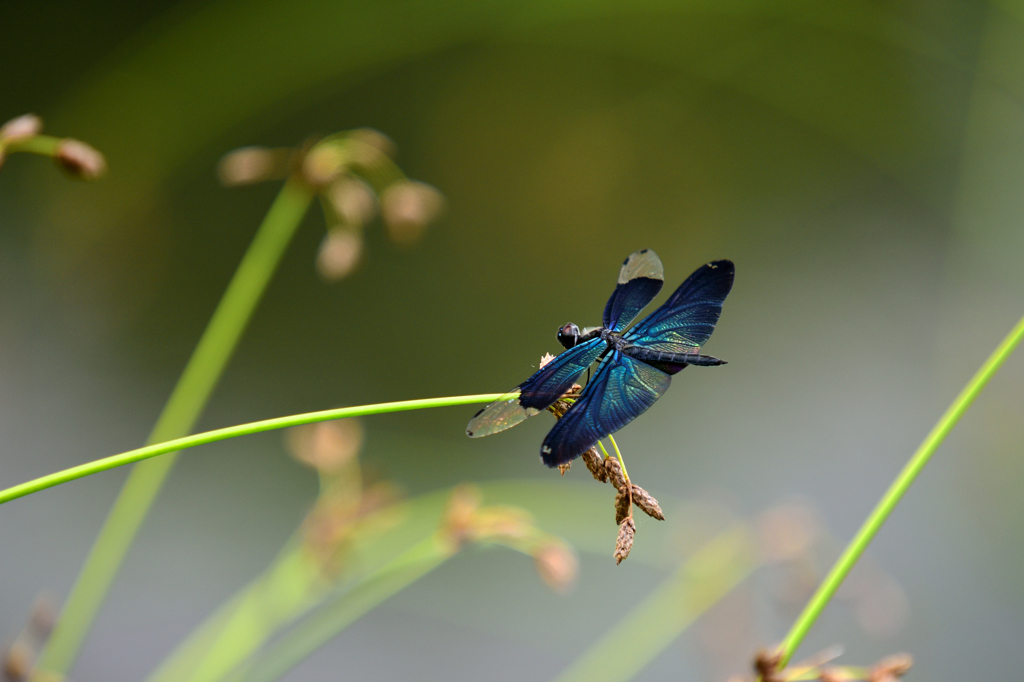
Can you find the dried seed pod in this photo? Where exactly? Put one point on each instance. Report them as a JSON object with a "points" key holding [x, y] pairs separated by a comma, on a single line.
{"points": [[648, 504], [622, 505], [562, 468], [595, 464], [79, 160], [611, 464], [624, 543]]}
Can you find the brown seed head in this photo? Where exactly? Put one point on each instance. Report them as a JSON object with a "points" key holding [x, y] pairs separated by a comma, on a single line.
{"points": [[624, 543], [339, 254], [556, 564], [562, 468], [407, 207], [622, 505], [20, 128], [648, 504], [595, 464], [611, 465], [891, 669], [328, 446], [79, 160]]}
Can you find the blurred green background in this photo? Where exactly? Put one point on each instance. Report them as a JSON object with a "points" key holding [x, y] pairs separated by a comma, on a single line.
{"points": [[861, 162]]}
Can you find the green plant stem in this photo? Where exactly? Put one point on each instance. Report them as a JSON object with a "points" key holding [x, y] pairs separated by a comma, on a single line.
{"points": [[618, 454], [186, 402], [653, 624], [894, 494], [44, 145], [96, 466]]}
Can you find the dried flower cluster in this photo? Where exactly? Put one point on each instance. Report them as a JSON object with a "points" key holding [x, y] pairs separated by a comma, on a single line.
{"points": [[609, 470], [17, 661], [356, 179], [77, 159], [767, 669], [466, 520]]}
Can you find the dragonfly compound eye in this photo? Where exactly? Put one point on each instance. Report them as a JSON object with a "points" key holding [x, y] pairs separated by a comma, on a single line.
{"points": [[568, 335]]}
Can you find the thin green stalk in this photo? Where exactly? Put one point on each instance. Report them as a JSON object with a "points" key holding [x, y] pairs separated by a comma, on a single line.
{"points": [[186, 402], [96, 466], [895, 492], [44, 145], [618, 454], [653, 624]]}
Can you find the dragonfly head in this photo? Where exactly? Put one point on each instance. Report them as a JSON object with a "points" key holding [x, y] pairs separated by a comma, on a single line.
{"points": [[568, 335]]}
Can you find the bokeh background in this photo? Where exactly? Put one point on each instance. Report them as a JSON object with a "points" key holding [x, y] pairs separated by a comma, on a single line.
{"points": [[862, 162]]}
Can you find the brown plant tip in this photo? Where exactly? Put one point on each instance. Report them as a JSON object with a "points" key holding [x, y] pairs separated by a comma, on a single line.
{"points": [[407, 207], [17, 662], [340, 253], [20, 128], [614, 470], [79, 160], [624, 543], [556, 565], [562, 468], [595, 464], [891, 669], [766, 665], [648, 504]]}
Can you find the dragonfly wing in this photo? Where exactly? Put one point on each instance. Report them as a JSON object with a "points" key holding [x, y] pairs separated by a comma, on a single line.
{"points": [[536, 393], [640, 280], [686, 320], [621, 390]]}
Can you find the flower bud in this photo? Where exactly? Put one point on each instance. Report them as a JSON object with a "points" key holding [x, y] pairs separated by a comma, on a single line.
{"points": [[407, 207], [352, 200], [28, 125], [79, 160], [624, 543], [339, 254], [249, 165]]}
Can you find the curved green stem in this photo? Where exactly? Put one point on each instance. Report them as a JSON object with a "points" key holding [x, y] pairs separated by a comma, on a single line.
{"points": [[139, 454], [894, 494], [186, 402], [44, 145], [618, 454]]}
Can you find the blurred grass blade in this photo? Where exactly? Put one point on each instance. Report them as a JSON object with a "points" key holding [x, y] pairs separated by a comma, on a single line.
{"points": [[697, 585], [331, 619], [184, 406]]}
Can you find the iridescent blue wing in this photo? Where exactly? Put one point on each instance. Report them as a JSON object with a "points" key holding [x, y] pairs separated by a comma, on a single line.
{"points": [[536, 393], [640, 280], [621, 390], [686, 320]]}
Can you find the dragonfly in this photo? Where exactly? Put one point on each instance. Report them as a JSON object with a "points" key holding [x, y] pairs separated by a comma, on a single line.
{"points": [[635, 364]]}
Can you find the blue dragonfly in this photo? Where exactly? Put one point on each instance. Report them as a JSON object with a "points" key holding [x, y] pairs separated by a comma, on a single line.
{"points": [[635, 365]]}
